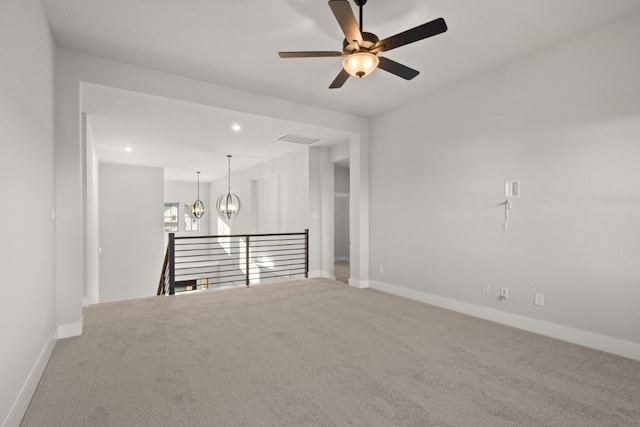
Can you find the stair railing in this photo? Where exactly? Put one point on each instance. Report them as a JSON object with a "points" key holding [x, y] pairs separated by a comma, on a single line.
{"points": [[204, 262]]}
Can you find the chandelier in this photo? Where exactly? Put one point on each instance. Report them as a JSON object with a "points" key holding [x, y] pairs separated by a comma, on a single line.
{"points": [[228, 205], [197, 209]]}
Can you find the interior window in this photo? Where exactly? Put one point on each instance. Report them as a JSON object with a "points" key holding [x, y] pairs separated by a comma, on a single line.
{"points": [[171, 217]]}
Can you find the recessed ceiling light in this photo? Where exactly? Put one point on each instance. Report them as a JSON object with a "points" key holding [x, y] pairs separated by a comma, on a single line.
{"points": [[236, 127], [128, 149]]}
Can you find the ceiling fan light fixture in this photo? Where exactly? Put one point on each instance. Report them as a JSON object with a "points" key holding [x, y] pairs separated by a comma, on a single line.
{"points": [[360, 64]]}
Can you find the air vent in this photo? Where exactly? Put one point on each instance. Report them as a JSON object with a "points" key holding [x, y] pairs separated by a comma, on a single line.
{"points": [[297, 139]]}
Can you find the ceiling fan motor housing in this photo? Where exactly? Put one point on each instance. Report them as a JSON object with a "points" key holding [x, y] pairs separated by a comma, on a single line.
{"points": [[369, 40]]}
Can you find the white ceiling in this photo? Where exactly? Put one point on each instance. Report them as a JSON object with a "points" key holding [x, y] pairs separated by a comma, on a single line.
{"points": [[236, 43], [184, 137]]}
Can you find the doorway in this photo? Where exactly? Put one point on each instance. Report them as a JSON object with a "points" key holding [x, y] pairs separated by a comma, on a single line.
{"points": [[341, 223]]}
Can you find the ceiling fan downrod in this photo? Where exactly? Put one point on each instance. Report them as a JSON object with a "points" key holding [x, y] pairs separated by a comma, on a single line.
{"points": [[360, 3]]}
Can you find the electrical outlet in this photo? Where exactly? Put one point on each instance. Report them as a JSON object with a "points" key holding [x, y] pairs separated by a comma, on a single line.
{"points": [[538, 299], [485, 289], [504, 293]]}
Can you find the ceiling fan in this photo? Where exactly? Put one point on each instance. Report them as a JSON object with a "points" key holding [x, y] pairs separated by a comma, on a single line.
{"points": [[360, 49]]}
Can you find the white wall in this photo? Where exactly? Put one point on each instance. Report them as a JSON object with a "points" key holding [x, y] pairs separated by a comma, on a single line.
{"points": [[92, 295], [267, 201], [321, 205], [566, 122], [131, 231], [28, 302], [359, 202]]}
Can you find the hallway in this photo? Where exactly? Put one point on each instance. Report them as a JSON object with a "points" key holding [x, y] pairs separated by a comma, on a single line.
{"points": [[341, 271]]}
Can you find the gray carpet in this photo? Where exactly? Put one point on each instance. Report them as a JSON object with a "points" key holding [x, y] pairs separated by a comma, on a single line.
{"points": [[316, 352]]}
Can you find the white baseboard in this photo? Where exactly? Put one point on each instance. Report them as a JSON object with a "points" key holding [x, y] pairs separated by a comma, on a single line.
{"points": [[360, 284], [21, 404], [326, 275], [71, 330], [313, 274], [321, 273], [605, 343]]}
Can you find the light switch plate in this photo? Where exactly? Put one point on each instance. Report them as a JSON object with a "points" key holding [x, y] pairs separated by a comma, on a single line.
{"points": [[512, 188]]}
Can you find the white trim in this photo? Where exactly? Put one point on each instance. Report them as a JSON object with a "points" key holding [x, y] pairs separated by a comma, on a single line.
{"points": [[314, 274], [71, 329], [612, 345], [327, 275], [360, 284], [17, 411]]}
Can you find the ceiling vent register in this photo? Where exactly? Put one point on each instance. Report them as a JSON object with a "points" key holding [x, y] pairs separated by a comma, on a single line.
{"points": [[297, 139]]}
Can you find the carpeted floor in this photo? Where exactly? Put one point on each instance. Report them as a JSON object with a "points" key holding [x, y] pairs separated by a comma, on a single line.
{"points": [[316, 352], [342, 271]]}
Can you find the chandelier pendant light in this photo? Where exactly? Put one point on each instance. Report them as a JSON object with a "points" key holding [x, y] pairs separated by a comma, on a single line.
{"points": [[228, 205], [197, 209]]}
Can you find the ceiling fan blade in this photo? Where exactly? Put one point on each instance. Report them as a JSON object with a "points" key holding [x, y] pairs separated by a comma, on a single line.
{"points": [[340, 79], [420, 32], [347, 20], [309, 54], [396, 68]]}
